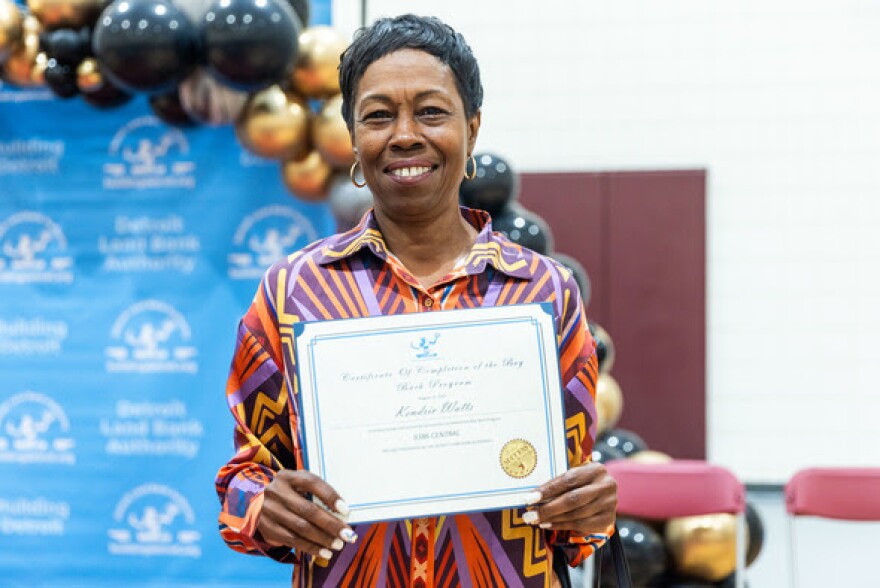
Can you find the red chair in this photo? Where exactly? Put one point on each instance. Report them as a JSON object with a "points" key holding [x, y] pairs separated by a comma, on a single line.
{"points": [[844, 494], [681, 488]]}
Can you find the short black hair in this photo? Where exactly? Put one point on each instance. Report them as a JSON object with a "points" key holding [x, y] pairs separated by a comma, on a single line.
{"points": [[408, 31]]}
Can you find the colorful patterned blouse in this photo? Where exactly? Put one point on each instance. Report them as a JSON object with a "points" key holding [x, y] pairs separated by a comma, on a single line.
{"points": [[353, 275]]}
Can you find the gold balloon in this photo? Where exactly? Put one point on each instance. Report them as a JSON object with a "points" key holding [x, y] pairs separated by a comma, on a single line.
{"points": [[274, 124], [650, 456], [88, 77], [19, 67], [330, 136], [703, 547], [307, 178], [609, 402], [316, 71], [11, 30], [56, 14]]}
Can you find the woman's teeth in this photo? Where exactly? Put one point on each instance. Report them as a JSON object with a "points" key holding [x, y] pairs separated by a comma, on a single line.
{"points": [[406, 172]]}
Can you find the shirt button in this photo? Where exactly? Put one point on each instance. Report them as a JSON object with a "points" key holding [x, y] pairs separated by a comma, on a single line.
{"points": [[428, 302]]}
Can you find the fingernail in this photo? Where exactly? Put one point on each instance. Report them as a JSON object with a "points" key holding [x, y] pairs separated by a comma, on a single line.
{"points": [[348, 535], [530, 517], [325, 554], [533, 497], [342, 508], [545, 525], [337, 544]]}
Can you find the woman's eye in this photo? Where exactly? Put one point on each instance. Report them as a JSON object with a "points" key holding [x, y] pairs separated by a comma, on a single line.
{"points": [[432, 111], [377, 115]]}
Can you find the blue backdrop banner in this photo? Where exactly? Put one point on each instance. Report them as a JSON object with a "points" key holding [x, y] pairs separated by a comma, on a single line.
{"points": [[128, 251]]}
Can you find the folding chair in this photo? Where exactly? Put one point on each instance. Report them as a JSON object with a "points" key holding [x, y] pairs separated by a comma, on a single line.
{"points": [[844, 494], [682, 488]]}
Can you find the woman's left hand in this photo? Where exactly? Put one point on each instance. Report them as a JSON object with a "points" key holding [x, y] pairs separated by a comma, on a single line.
{"points": [[583, 500]]}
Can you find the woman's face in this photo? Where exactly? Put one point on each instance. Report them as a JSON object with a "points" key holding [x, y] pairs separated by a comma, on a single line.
{"points": [[411, 133]]}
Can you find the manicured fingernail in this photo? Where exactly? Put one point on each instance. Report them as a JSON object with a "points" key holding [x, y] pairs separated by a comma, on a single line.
{"points": [[337, 544], [348, 535], [342, 508], [533, 497], [545, 525], [325, 554], [530, 517]]}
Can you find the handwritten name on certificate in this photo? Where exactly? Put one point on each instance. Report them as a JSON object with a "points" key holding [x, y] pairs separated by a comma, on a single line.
{"points": [[432, 413]]}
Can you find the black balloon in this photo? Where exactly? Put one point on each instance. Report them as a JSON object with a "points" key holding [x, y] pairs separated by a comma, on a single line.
{"points": [[66, 45], [494, 186], [106, 96], [61, 79], [525, 228], [645, 553], [303, 10], [168, 109], [755, 540], [604, 347], [250, 44], [625, 441], [603, 452], [579, 273], [145, 45]]}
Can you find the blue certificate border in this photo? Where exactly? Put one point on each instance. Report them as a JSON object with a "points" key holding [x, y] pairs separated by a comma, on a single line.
{"points": [[299, 330]]}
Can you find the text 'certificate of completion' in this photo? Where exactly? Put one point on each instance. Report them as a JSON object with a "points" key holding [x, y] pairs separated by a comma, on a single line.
{"points": [[432, 413]]}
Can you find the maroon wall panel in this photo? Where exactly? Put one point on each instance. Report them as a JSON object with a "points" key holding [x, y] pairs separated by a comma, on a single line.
{"points": [[641, 238], [572, 205]]}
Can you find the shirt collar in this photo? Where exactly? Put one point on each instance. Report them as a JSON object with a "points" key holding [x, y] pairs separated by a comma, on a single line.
{"points": [[490, 248]]}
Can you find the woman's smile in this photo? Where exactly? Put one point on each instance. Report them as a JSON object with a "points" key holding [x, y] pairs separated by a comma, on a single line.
{"points": [[410, 172]]}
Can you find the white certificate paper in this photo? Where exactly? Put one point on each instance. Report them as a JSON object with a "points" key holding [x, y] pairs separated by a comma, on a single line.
{"points": [[432, 413]]}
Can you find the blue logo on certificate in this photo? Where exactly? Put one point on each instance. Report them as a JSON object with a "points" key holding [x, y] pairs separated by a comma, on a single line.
{"points": [[425, 346]]}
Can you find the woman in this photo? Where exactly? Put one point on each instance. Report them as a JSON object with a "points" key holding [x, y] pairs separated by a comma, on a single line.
{"points": [[412, 98]]}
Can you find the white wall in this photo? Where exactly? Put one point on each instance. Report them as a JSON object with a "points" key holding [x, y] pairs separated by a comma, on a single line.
{"points": [[780, 101]]}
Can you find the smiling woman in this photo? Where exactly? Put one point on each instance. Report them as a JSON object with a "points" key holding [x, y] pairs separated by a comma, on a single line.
{"points": [[411, 96]]}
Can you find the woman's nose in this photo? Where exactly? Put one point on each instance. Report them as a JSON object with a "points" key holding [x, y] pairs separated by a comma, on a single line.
{"points": [[405, 133]]}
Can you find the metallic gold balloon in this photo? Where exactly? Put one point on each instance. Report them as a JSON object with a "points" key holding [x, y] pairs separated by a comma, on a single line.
{"points": [[330, 136], [703, 547], [609, 402], [650, 456], [274, 124], [307, 178], [88, 77], [56, 14], [19, 67], [11, 30], [316, 72]]}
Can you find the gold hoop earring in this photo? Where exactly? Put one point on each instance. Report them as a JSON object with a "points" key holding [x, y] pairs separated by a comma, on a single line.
{"points": [[473, 174], [352, 172]]}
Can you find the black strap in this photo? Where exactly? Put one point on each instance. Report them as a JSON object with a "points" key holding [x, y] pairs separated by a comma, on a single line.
{"points": [[618, 559]]}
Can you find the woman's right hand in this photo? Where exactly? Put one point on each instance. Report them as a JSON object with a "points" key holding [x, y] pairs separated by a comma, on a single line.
{"points": [[290, 519]]}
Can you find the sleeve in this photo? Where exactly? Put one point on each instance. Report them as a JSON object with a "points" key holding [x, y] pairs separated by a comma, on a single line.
{"points": [[257, 395], [579, 368]]}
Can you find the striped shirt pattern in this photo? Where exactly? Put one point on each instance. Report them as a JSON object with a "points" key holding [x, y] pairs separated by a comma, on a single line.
{"points": [[353, 274]]}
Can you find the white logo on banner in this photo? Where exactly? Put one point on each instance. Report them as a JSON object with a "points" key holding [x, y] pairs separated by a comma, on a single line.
{"points": [[31, 336], [34, 429], [153, 338], [154, 520], [266, 236], [13, 93], [30, 157], [33, 516], [147, 154], [152, 428], [149, 244], [33, 250]]}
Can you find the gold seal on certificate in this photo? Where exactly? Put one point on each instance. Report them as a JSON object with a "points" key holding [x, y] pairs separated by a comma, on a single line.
{"points": [[518, 458]]}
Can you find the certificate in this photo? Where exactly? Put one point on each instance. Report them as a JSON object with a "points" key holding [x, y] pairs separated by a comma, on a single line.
{"points": [[432, 413]]}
